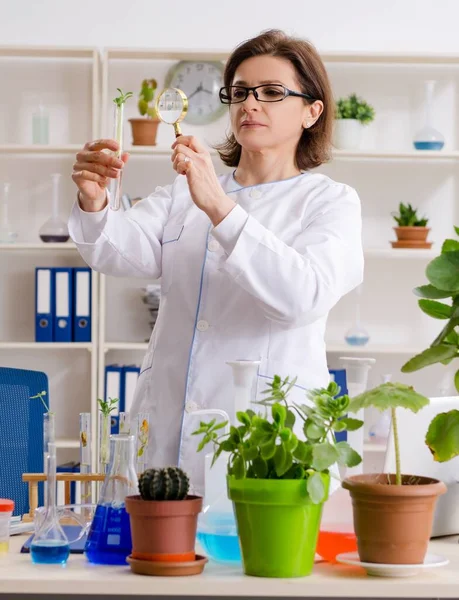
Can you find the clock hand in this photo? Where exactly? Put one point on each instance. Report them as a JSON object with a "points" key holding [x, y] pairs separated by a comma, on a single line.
{"points": [[198, 89]]}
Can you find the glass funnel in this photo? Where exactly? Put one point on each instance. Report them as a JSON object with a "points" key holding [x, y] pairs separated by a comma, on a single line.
{"points": [[428, 138], [217, 531], [54, 229], [357, 335], [109, 539], [50, 545], [7, 234]]}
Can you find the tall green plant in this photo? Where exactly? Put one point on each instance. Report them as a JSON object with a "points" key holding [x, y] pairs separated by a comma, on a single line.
{"points": [[266, 447], [390, 396]]}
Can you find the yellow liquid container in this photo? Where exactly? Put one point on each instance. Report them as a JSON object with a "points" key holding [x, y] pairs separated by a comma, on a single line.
{"points": [[6, 510]]}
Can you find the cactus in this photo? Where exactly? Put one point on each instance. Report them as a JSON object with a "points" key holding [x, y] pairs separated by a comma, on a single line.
{"points": [[170, 483]]}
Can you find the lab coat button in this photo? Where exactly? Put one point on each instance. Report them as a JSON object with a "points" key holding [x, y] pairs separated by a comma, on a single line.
{"points": [[254, 193], [202, 325], [213, 245], [191, 407]]}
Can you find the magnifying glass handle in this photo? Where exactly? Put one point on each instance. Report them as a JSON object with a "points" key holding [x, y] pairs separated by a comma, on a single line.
{"points": [[177, 130]]}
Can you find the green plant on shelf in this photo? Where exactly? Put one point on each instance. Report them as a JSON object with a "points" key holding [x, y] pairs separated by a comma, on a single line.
{"points": [[146, 97], [266, 447], [407, 217], [353, 107]]}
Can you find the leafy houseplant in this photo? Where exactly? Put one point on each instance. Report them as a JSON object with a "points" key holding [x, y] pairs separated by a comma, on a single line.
{"points": [[276, 478], [393, 513], [164, 518], [411, 231], [144, 130], [351, 113]]}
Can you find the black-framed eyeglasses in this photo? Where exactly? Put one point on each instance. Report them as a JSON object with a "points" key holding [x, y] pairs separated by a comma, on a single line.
{"points": [[268, 92]]}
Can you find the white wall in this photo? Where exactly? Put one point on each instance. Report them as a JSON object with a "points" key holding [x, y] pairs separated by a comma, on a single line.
{"points": [[388, 25]]}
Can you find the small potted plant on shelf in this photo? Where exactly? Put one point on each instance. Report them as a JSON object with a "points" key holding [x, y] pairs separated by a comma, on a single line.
{"points": [[163, 524], [411, 231], [279, 482], [144, 130], [351, 114], [393, 513]]}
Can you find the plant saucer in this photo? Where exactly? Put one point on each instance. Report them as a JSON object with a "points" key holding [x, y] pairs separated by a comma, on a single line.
{"points": [[167, 569], [411, 244], [385, 570]]}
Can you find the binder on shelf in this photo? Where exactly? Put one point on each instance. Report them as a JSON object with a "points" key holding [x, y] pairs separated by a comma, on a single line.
{"points": [[114, 387], [63, 290], [339, 376], [44, 304], [82, 304], [131, 374]]}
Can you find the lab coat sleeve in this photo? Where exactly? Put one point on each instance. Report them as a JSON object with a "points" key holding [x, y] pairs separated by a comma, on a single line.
{"points": [[298, 284], [123, 243]]}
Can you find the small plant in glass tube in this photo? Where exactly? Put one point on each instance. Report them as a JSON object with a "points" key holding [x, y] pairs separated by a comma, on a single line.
{"points": [[115, 192]]}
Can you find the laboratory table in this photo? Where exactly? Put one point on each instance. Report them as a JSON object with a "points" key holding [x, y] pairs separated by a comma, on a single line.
{"points": [[21, 580]]}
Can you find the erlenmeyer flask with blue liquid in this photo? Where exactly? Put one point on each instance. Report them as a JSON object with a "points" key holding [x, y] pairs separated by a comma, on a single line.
{"points": [[109, 540]]}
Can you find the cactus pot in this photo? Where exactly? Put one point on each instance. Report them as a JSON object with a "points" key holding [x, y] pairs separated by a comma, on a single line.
{"points": [[163, 530], [277, 524]]}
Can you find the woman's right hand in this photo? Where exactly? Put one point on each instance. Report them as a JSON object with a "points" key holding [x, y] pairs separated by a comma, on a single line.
{"points": [[92, 171]]}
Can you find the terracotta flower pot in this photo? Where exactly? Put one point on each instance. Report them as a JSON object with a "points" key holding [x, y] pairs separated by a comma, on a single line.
{"points": [[412, 234], [393, 523], [144, 131], [163, 530]]}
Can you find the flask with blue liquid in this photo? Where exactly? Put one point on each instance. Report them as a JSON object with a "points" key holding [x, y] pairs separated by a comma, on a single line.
{"points": [[109, 539]]}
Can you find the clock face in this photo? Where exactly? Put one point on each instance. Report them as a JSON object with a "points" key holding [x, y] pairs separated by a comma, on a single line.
{"points": [[201, 82]]}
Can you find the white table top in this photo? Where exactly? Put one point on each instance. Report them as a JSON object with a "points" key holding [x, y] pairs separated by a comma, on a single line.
{"points": [[19, 575]]}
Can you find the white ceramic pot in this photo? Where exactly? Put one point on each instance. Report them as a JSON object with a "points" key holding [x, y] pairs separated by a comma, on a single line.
{"points": [[347, 134]]}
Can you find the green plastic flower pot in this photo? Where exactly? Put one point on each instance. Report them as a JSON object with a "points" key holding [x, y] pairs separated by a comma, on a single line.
{"points": [[278, 525]]}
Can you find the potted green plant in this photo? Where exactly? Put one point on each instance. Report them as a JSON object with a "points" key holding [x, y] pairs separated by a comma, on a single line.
{"points": [[411, 231], [393, 513], [164, 517], [144, 129], [279, 482], [351, 114]]}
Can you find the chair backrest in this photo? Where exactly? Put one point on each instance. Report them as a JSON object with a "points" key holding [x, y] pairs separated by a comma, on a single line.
{"points": [[21, 432]]}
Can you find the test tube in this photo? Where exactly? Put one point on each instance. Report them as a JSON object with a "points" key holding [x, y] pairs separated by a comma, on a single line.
{"points": [[124, 423], [85, 458], [115, 184], [142, 430], [49, 437], [104, 441]]}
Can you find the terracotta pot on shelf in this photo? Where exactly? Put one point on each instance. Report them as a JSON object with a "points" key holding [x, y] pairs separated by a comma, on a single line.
{"points": [[411, 237], [163, 530], [393, 523], [144, 131]]}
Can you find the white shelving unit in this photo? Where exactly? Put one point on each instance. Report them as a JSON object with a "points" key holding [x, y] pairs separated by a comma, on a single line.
{"points": [[66, 81], [386, 171]]}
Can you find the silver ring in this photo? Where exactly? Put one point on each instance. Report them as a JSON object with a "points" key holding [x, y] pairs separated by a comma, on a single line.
{"points": [[187, 159]]}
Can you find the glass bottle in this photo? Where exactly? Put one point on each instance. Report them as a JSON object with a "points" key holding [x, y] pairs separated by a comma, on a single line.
{"points": [[109, 539], [7, 234], [50, 545], [40, 125], [428, 138], [55, 229], [357, 335]]}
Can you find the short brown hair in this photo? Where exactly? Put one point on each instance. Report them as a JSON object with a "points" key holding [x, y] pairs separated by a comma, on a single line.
{"points": [[314, 145]]}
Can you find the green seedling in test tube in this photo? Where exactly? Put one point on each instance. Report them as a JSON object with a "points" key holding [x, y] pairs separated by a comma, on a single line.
{"points": [[119, 101]]}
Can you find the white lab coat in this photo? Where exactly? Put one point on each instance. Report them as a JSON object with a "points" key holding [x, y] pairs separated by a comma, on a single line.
{"points": [[258, 286]]}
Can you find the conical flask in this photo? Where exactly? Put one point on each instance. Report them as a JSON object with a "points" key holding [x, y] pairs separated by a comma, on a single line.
{"points": [[49, 545], [217, 532], [109, 539], [7, 234], [55, 229], [357, 335]]}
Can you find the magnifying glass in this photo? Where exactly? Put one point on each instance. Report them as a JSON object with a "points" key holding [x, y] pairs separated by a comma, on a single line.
{"points": [[171, 107]]}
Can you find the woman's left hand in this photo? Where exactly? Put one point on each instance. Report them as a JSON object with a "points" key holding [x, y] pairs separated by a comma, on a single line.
{"points": [[191, 159]]}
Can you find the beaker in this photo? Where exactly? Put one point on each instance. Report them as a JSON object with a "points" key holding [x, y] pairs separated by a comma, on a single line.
{"points": [[357, 335], [54, 229], [109, 540], [217, 531], [7, 234]]}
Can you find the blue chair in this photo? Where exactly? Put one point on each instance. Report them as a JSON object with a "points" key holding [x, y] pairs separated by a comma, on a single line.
{"points": [[21, 432]]}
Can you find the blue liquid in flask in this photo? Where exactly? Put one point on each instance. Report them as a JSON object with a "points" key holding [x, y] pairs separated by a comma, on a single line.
{"points": [[49, 552], [109, 540], [219, 538]]}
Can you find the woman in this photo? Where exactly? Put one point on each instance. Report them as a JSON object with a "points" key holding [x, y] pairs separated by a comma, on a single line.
{"points": [[250, 263]]}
